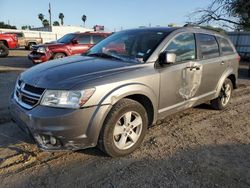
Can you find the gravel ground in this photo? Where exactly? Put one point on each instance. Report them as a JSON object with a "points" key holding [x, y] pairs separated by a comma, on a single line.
{"points": [[198, 147]]}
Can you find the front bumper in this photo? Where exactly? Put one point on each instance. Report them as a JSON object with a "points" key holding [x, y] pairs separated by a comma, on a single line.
{"points": [[38, 58], [73, 129]]}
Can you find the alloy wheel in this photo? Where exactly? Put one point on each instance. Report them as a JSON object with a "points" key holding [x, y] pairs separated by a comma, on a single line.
{"points": [[127, 130]]}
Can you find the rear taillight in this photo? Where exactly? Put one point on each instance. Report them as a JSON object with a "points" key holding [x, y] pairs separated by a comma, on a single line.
{"points": [[238, 59]]}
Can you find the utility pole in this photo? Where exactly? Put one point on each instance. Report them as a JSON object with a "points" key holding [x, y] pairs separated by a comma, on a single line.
{"points": [[49, 15]]}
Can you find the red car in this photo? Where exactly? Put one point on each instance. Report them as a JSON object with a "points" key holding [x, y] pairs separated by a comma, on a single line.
{"points": [[7, 41], [69, 44]]}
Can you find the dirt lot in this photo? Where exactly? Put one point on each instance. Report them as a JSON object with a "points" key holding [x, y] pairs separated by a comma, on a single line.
{"points": [[199, 147]]}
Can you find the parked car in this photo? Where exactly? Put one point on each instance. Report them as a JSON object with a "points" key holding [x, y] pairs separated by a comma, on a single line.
{"points": [[26, 42], [7, 41], [70, 44], [109, 98]]}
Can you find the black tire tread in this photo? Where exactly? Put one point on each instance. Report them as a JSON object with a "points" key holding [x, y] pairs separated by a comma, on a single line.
{"points": [[216, 103], [6, 53], [59, 53], [103, 143]]}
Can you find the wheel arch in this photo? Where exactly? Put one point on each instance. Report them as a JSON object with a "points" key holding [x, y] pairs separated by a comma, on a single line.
{"points": [[232, 77], [146, 103], [5, 43], [138, 92], [55, 52], [229, 74]]}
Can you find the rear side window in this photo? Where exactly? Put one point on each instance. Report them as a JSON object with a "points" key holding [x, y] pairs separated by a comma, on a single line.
{"points": [[19, 35], [84, 39], [209, 47], [226, 47], [97, 38], [183, 46]]}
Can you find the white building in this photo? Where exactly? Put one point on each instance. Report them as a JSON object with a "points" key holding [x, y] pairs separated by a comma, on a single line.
{"points": [[49, 34]]}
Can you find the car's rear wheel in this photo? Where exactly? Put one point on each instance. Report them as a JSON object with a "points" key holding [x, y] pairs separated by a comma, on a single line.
{"points": [[124, 128], [4, 51], [225, 95], [29, 47], [59, 56]]}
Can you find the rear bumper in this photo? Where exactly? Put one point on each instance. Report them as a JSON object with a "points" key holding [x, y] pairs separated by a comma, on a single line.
{"points": [[72, 129]]}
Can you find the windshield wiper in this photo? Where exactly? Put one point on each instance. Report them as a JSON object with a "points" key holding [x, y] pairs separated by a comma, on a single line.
{"points": [[104, 55]]}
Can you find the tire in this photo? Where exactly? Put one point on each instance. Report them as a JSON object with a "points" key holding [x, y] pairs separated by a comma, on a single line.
{"points": [[129, 119], [29, 46], [224, 97], [59, 56], [4, 51]]}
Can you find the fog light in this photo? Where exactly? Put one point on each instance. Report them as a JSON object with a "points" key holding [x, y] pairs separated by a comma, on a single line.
{"points": [[52, 140]]}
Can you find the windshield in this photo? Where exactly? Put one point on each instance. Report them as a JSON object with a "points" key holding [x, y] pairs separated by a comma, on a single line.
{"points": [[66, 38], [131, 45]]}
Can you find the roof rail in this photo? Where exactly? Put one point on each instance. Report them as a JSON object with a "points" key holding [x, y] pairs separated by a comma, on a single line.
{"points": [[218, 30]]}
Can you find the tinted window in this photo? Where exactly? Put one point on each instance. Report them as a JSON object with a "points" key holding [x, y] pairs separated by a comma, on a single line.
{"points": [[131, 46], [19, 35], [208, 46], [83, 39], [66, 38], [226, 48], [183, 46], [97, 38]]}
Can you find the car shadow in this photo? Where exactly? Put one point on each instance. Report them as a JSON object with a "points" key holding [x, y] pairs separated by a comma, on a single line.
{"points": [[93, 152], [205, 106], [11, 134]]}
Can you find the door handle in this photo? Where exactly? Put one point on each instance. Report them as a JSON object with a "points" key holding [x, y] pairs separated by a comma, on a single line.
{"points": [[194, 68]]}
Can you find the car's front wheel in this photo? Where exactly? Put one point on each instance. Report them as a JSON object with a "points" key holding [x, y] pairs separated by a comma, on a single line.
{"points": [[59, 56], [124, 128], [225, 95]]}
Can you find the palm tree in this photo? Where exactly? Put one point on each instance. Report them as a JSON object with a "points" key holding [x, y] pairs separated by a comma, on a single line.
{"points": [[61, 17], [41, 17], [84, 18], [45, 23], [56, 23]]}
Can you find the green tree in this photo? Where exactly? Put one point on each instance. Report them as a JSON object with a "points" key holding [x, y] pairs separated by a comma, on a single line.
{"points": [[6, 26], [228, 13], [61, 17], [41, 17], [84, 19], [45, 23], [56, 23]]}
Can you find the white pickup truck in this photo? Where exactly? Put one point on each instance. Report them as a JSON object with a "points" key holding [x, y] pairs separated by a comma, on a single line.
{"points": [[26, 42]]}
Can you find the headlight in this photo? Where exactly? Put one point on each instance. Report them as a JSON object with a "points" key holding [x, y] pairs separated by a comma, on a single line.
{"points": [[66, 99], [41, 50]]}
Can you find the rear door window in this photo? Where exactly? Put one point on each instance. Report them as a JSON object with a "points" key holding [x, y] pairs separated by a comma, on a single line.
{"points": [[83, 39], [183, 46], [225, 45], [209, 47], [97, 38]]}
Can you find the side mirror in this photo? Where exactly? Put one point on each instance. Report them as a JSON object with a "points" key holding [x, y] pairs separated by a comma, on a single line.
{"points": [[167, 58], [74, 41]]}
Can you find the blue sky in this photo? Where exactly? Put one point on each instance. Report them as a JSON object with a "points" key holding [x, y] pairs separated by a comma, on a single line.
{"points": [[113, 14]]}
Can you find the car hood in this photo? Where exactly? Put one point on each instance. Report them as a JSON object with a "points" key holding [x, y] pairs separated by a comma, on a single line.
{"points": [[49, 45], [72, 71]]}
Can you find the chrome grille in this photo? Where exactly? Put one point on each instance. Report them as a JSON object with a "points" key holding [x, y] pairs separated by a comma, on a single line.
{"points": [[26, 95]]}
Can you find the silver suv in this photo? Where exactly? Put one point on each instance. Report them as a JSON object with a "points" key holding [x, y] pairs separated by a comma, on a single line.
{"points": [[109, 96]]}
